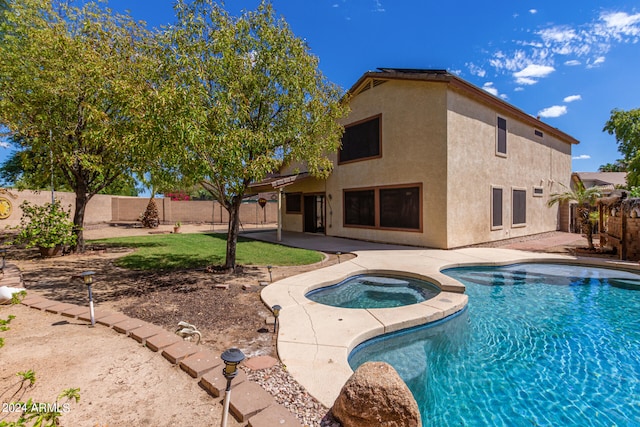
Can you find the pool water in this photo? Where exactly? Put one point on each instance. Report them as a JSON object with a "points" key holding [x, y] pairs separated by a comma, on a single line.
{"points": [[375, 291], [538, 345]]}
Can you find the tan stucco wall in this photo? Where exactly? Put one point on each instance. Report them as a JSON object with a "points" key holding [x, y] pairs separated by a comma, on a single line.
{"points": [[310, 185], [106, 208], [413, 151], [531, 161], [192, 211], [98, 208]]}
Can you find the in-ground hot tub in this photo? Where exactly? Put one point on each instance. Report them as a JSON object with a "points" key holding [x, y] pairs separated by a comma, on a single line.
{"points": [[375, 291]]}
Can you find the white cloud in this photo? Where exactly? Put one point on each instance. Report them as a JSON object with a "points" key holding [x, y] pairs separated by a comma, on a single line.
{"points": [[377, 7], [572, 98], [554, 111], [488, 86], [599, 60], [581, 157], [586, 43], [476, 70], [532, 72], [4, 144], [619, 25], [533, 11]]}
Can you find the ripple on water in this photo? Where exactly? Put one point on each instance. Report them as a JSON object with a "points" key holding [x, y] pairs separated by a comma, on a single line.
{"points": [[538, 344]]}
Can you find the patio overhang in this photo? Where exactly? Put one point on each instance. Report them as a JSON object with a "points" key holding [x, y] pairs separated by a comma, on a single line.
{"points": [[277, 182]]}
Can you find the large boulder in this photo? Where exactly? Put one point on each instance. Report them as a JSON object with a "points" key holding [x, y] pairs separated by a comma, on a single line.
{"points": [[376, 396]]}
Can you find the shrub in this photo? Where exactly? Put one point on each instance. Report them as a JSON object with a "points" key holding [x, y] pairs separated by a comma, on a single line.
{"points": [[45, 226]]}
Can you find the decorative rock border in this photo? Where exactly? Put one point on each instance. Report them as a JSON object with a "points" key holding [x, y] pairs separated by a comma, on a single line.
{"points": [[249, 403]]}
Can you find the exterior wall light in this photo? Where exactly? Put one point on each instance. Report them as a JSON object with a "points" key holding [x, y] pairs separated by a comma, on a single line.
{"points": [[276, 312], [231, 358]]}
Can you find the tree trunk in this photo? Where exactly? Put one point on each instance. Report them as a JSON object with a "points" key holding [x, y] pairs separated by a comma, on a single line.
{"points": [[78, 220], [232, 235], [587, 227]]}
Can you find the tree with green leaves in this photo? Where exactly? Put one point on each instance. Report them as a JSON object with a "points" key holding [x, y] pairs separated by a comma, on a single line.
{"points": [[585, 198], [251, 99], [618, 166], [73, 81], [625, 125], [21, 171]]}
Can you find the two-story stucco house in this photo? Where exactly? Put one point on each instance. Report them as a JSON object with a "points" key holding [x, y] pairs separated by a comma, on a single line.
{"points": [[428, 159]]}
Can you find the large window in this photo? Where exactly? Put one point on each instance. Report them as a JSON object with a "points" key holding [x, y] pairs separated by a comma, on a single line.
{"points": [[294, 203], [519, 209], [359, 208], [361, 141], [384, 207], [400, 207], [501, 138], [496, 208]]}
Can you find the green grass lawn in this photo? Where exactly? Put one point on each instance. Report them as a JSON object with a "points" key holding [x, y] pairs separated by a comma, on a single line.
{"points": [[175, 251]]}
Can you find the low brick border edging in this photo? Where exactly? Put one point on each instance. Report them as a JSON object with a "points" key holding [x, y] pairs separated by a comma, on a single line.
{"points": [[250, 403]]}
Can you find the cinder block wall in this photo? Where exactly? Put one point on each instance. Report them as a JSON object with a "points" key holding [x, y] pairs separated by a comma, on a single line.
{"points": [[106, 208], [192, 211], [98, 209]]}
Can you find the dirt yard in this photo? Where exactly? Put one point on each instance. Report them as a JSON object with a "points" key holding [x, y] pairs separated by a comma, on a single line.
{"points": [[122, 383]]}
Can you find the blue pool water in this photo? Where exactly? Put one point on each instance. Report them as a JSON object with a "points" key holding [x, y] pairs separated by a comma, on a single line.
{"points": [[375, 291], [538, 345]]}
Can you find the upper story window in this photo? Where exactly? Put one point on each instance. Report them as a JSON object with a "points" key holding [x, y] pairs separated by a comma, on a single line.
{"points": [[501, 137], [361, 141]]}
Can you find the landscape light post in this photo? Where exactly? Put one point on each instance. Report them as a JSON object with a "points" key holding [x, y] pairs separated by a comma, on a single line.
{"points": [[87, 278], [269, 267], [276, 312], [231, 358]]}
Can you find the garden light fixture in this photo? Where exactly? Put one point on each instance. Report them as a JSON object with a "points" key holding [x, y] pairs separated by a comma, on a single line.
{"points": [[276, 312], [338, 254], [269, 267], [231, 358], [87, 278]]}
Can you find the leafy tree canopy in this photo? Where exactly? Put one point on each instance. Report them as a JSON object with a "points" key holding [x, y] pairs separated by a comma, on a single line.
{"points": [[618, 166], [625, 125], [245, 97], [73, 81]]}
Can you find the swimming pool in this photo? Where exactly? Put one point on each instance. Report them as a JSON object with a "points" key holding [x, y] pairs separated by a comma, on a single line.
{"points": [[375, 291], [539, 344]]}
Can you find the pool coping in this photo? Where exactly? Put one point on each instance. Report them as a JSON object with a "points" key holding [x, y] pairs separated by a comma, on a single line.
{"points": [[314, 340]]}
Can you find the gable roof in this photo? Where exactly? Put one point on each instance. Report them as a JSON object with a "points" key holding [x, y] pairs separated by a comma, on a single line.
{"points": [[591, 179], [374, 78]]}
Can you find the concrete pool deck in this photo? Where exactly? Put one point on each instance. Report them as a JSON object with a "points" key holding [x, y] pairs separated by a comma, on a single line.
{"points": [[315, 340]]}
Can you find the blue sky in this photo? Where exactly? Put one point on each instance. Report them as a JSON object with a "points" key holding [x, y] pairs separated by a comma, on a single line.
{"points": [[570, 62]]}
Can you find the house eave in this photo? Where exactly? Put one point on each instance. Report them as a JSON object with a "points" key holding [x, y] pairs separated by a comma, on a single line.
{"points": [[464, 87]]}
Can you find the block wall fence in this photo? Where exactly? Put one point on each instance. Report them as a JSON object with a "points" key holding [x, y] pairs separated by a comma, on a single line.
{"points": [[113, 209]]}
